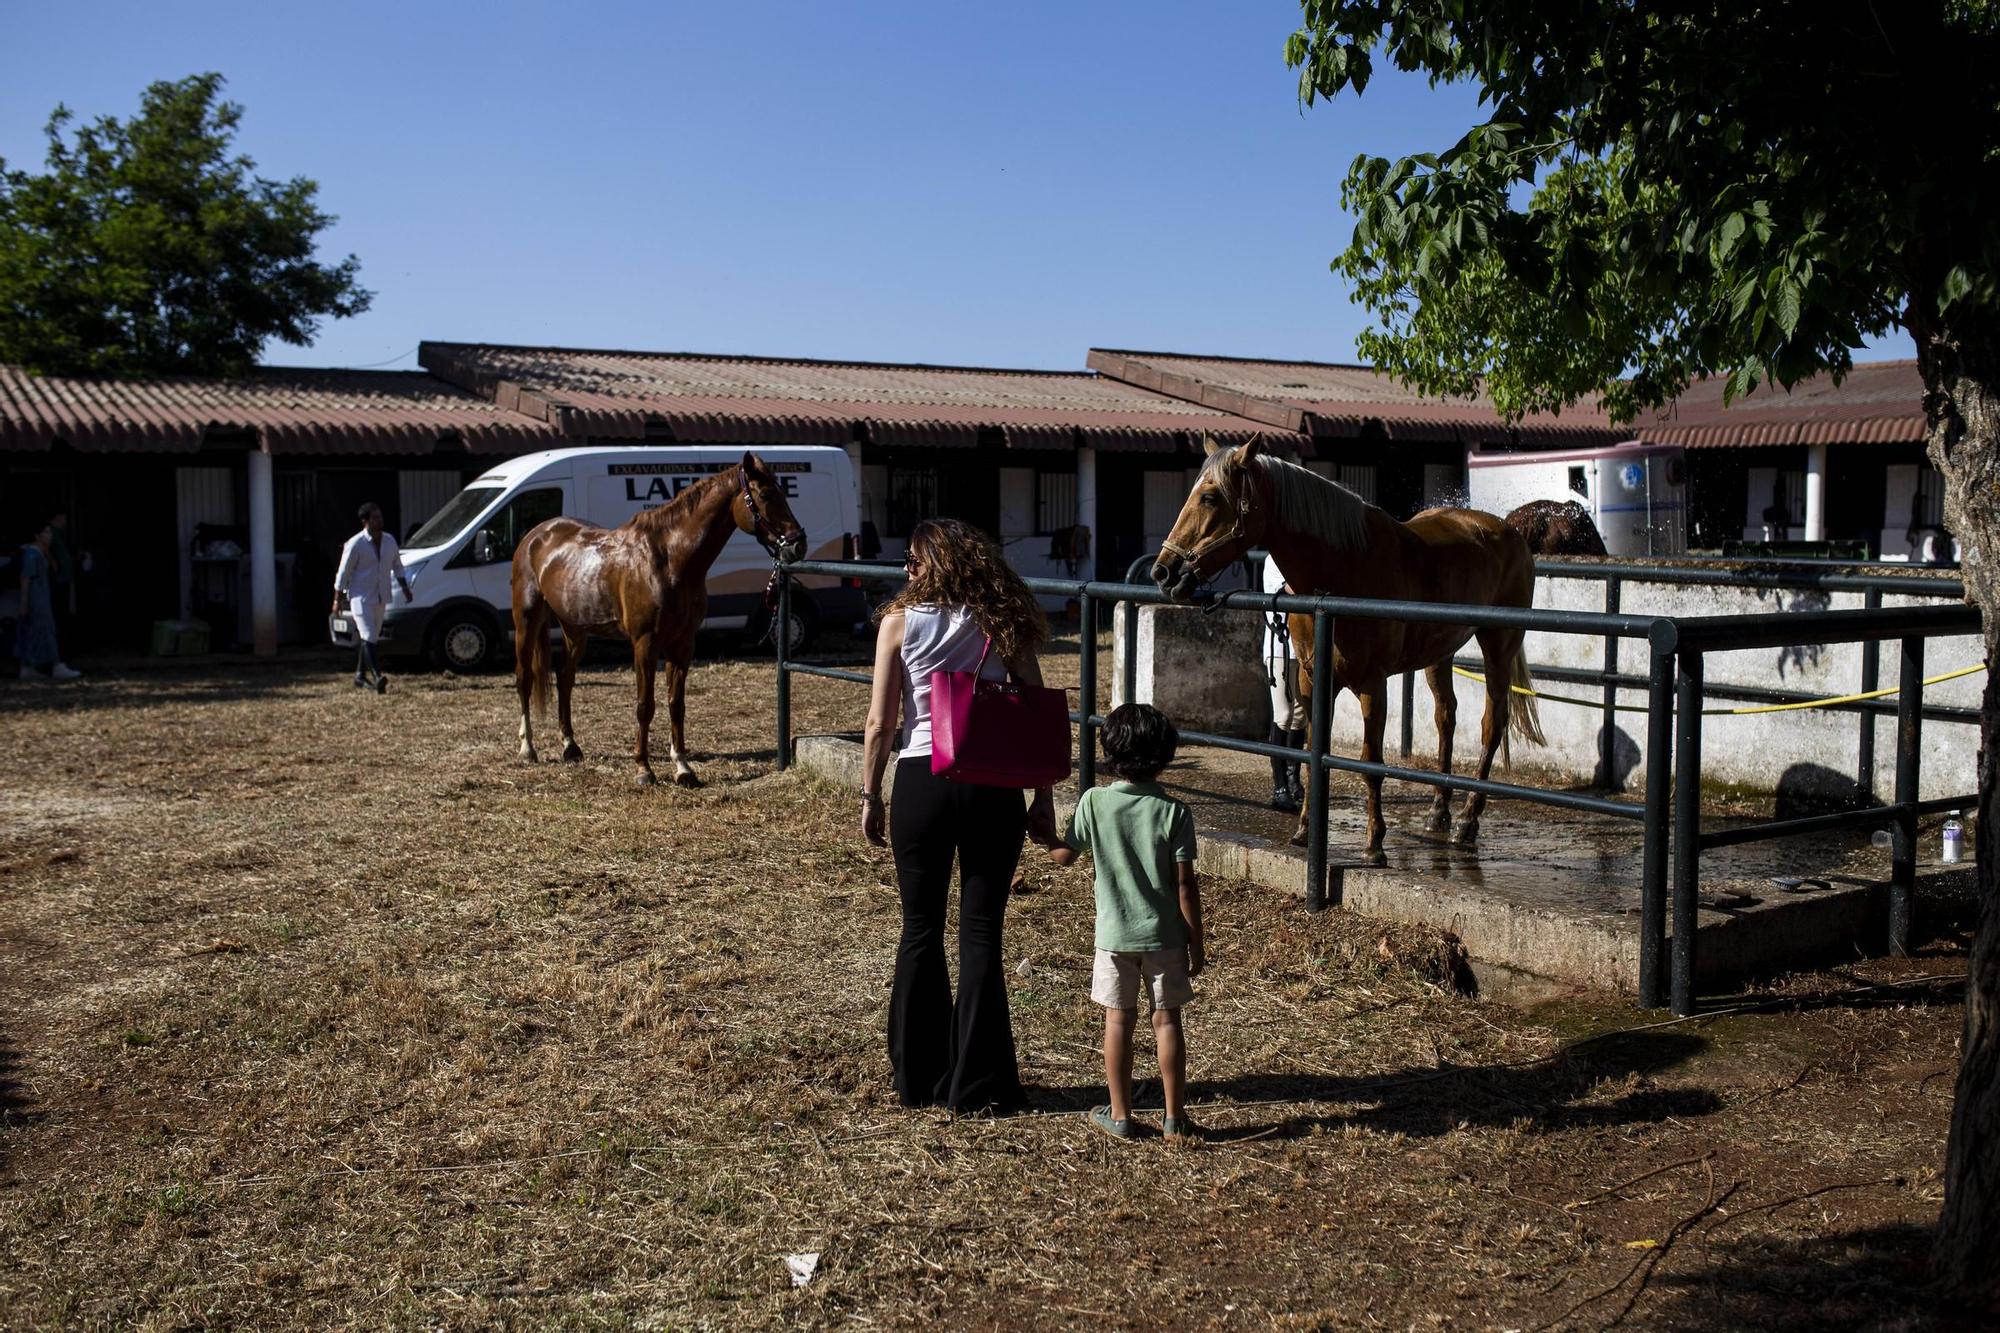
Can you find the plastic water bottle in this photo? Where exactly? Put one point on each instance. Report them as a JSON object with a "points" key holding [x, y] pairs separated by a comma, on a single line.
{"points": [[1954, 841]]}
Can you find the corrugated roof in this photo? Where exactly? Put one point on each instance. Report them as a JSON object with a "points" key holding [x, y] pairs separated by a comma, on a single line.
{"points": [[730, 399], [1339, 402], [1880, 402], [291, 411]]}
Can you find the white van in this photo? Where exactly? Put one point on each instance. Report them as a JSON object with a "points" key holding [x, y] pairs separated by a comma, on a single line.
{"points": [[461, 562], [1635, 492]]}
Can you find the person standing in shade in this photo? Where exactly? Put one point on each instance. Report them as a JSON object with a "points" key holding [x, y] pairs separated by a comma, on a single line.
{"points": [[1288, 711], [62, 570], [961, 594], [35, 628], [362, 586]]}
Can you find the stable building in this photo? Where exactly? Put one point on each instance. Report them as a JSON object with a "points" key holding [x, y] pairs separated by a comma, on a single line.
{"points": [[1396, 448], [1821, 462], [228, 500], [1032, 456]]}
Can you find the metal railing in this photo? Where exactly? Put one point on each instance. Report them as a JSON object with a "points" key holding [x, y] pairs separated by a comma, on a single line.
{"points": [[1676, 647]]}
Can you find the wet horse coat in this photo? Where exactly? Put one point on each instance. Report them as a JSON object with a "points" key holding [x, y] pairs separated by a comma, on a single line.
{"points": [[645, 581], [1329, 541]]}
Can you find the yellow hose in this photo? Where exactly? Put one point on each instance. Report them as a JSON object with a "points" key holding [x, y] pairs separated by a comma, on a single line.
{"points": [[1725, 712]]}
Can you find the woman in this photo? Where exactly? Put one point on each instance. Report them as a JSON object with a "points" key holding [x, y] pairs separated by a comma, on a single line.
{"points": [[960, 593], [35, 629]]}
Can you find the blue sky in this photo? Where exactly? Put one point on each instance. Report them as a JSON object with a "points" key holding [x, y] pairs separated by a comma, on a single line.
{"points": [[993, 184]]}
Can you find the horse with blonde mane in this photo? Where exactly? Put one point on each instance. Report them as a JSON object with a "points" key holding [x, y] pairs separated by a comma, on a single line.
{"points": [[1328, 541]]}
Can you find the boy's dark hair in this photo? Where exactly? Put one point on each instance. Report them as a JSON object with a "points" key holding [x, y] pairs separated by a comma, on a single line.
{"points": [[1139, 740]]}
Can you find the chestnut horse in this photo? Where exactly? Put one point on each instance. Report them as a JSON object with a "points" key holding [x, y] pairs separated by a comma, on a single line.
{"points": [[1557, 527], [645, 581], [1329, 541]]}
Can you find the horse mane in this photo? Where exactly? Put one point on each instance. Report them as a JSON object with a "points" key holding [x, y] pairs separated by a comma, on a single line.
{"points": [[681, 506], [1308, 504]]}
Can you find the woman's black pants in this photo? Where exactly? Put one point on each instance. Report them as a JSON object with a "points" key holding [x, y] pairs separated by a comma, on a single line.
{"points": [[959, 1054]]}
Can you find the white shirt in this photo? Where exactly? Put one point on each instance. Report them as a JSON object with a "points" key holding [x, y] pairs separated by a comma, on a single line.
{"points": [[366, 574], [937, 638]]}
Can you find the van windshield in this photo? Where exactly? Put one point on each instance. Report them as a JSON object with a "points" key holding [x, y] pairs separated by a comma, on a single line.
{"points": [[451, 520]]}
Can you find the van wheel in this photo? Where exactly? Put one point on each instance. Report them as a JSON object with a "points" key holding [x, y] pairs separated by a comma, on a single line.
{"points": [[805, 625], [462, 641]]}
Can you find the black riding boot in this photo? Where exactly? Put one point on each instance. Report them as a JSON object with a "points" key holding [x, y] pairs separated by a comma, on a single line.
{"points": [[1284, 775], [1296, 738]]}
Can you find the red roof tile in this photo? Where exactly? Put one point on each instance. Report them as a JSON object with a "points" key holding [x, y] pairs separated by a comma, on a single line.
{"points": [[725, 399], [1339, 402], [291, 411], [1877, 403]]}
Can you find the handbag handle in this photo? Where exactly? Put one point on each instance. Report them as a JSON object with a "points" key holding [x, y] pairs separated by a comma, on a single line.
{"points": [[979, 671]]}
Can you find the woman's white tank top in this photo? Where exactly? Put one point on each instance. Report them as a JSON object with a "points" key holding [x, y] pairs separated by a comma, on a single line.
{"points": [[937, 638]]}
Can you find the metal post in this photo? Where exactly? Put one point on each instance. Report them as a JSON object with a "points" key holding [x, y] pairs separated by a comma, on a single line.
{"points": [[1607, 750], [1317, 778], [1687, 827], [780, 632], [1659, 780], [1909, 756], [1409, 713], [1871, 679], [1086, 744]]}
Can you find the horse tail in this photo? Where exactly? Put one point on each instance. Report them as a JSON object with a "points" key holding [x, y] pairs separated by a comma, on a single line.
{"points": [[1521, 711]]}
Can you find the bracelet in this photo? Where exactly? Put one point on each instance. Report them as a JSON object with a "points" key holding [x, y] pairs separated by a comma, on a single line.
{"points": [[871, 796]]}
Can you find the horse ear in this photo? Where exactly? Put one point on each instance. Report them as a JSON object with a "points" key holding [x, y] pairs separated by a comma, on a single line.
{"points": [[752, 463], [1250, 450], [1208, 446]]}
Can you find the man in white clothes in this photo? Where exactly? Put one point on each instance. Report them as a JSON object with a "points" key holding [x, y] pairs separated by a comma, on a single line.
{"points": [[362, 586], [1288, 713]]}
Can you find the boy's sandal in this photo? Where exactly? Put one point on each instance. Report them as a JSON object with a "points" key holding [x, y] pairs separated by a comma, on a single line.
{"points": [[1179, 1127], [1117, 1129]]}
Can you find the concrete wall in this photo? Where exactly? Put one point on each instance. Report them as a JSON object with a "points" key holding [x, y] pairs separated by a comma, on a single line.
{"points": [[1804, 751], [1202, 670]]}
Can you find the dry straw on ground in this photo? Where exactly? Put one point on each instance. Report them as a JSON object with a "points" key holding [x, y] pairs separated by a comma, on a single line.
{"points": [[317, 1009]]}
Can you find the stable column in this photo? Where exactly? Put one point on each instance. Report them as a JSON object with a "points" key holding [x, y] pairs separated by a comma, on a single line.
{"points": [[1086, 501], [1816, 493], [263, 559]]}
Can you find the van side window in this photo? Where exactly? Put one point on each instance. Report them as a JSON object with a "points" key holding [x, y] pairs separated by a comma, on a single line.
{"points": [[1577, 483], [497, 537]]}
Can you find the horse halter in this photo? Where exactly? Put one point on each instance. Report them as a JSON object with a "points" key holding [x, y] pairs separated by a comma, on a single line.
{"points": [[1192, 555], [760, 527]]}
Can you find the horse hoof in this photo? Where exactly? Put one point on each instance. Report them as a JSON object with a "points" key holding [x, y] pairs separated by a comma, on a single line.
{"points": [[646, 778], [529, 757], [687, 779], [1439, 827], [572, 753], [1468, 836], [1299, 838]]}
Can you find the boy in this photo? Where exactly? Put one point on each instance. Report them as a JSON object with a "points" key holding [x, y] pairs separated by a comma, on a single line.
{"points": [[1148, 908]]}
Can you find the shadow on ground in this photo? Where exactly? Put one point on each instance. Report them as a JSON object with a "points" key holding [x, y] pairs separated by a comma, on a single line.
{"points": [[1426, 1102]]}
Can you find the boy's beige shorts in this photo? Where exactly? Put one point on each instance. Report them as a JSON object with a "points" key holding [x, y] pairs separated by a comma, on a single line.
{"points": [[1116, 978]]}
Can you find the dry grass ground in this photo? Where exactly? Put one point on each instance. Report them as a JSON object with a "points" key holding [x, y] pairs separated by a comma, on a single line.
{"points": [[317, 1009]]}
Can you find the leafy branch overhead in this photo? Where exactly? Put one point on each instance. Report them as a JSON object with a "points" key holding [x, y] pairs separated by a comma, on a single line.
{"points": [[1663, 192], [146, 246]]}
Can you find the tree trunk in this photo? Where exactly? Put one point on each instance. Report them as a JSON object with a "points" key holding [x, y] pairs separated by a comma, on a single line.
{"points": [[1961, 369]]}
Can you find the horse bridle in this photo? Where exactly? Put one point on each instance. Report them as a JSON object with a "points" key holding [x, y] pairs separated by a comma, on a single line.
{"points": [[760, 527], [1237, 533]]}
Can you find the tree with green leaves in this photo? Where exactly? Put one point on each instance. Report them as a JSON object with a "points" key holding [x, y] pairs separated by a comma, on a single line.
{"points": [[146, 247], [1660, 192]]}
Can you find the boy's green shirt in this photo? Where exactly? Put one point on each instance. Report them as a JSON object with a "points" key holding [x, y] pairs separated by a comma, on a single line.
{"points": [[1136, 835]]}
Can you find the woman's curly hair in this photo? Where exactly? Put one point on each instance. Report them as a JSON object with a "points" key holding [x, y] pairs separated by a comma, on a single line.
{"points": [[958, 565]]}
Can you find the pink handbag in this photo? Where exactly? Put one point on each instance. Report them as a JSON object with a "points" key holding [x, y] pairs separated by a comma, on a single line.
{"points": [[997, 734]]}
